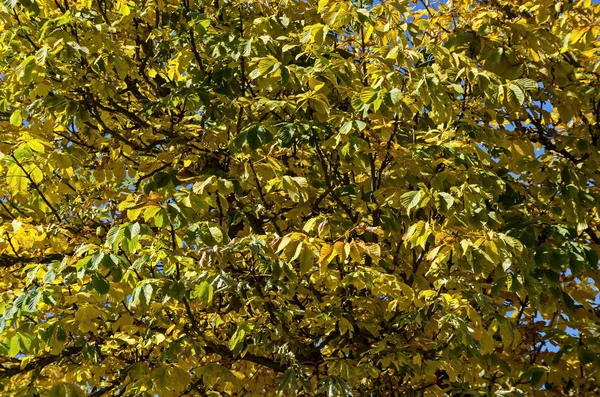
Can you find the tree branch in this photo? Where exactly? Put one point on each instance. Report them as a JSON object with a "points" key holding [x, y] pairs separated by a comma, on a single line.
{"points": [[37, 188], [339, 202]]}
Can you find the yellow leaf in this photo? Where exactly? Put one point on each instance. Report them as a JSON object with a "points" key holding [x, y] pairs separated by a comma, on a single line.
{"points": [[297, 251], [36, 174], [374, 251], [36, 145], [133, 214], [356, 252], [325, 253], [577, 34], [407, 291], [417, 360], [487, 342], [345, 326], [338, 248], [87, 318], [307, 259], [16, 179], [150, 211]]}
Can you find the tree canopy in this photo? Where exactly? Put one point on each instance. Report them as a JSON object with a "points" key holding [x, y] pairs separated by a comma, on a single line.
{"points": [[299, 197]]}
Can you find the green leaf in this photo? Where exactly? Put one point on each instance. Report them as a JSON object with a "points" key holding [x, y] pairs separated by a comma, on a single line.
{"points": [[495, 55], [209, 235], [27, 68], [114, 237], [265, 66], [175, 290], [96, 261], [16, 119], [337, 387], [360, 125], [142, 294], [410, 200], [178, 378], [444, 201], [257, 136], [527, 84], [368, 95], [516, 97], [147, 290], [236, 144], [204, 291], [396, 96], [64, 389], [537, 378], [246, 47], [14, 346], [26, 341], [161, 179], [10, 3], [587, 356], [287, 382], [100, 284], [41, 54], [134, 229], [31, 302], [49, 277], [236, 339], [346, 127], [160, 218]]}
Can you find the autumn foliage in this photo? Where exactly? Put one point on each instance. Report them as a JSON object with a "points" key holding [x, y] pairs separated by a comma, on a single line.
{"points": [[299, 197]]}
